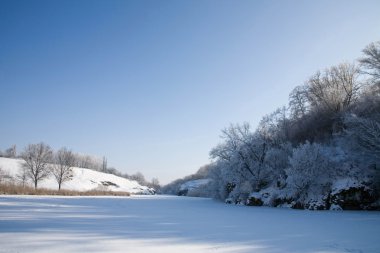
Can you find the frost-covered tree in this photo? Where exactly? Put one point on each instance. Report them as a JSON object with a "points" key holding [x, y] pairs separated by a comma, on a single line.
{"points": [[258, 152], [64, 161], [233, 150], [311, 168], [362, 140], [223, 180], [278, 161], [316, 107], [298, 102], [335, 89], [244, 154], [275, 127], [36, 157], [370, 63], [366, 133]]}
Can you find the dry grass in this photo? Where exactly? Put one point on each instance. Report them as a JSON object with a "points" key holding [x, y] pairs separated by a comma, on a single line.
{"points": [[13, 189]]}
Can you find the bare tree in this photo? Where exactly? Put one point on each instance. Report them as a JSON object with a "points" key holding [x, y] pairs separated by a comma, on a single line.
{"points": [[371, 61], [335, 89], [88, 162], [2, 175], [11, 152], [104, 164], [22, 176], [155, 184], [36, 157], [139, 177], [63, 167], [298, 103], [275, 126]]}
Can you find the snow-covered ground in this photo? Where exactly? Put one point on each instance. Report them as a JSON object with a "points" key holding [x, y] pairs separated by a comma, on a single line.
{"points": [[193, 184], [83, 179], [177, 224]]}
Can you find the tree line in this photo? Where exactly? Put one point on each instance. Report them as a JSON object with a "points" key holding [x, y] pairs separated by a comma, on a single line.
{"points": [[329, 130], [40, 162]]}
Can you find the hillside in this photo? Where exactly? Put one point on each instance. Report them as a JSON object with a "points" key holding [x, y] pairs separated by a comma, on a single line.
{"points": [[83, 179], [320, 151]]}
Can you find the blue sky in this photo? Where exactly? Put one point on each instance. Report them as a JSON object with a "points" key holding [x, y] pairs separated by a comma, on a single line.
{"points": [[150, 84]]}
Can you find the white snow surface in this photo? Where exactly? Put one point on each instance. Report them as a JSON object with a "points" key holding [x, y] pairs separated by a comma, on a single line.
{"points": [[177, 224], [83, 180]]}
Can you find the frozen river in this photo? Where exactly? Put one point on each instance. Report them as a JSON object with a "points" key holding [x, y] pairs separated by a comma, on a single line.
{"points": [[177, 224]]}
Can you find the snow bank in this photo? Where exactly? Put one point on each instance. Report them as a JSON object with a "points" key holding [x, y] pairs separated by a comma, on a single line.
{"points": [[344, 184], [344, 194], [350, 194]]}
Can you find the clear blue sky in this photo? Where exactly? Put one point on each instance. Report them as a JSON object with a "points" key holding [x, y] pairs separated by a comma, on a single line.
{"points": [[150, 84]]}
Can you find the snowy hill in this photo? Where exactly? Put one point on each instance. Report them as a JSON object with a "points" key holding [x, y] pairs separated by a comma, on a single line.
{"points": [[83, 180]]}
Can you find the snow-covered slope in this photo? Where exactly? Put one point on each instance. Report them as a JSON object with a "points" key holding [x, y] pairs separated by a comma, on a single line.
{"points": [[83, 180], [192, 187]]}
